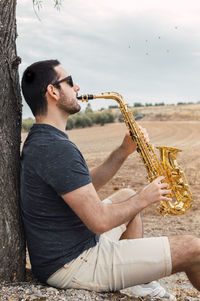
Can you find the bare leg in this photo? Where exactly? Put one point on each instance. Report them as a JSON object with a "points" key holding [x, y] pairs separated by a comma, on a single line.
{"points": [[185, 252], [134, 228]]}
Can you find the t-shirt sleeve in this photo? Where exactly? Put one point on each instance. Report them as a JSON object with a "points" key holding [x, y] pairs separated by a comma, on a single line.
{"points": [[63, 167]]}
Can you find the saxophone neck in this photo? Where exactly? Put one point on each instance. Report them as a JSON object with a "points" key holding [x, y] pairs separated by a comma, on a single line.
{"points": [[106, 95]]}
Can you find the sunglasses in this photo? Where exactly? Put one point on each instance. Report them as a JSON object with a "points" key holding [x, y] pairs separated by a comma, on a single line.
{"points": [[67, 79]]}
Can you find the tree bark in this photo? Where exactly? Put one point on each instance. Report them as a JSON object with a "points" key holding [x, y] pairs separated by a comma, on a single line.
{"points": [[12, 247]]}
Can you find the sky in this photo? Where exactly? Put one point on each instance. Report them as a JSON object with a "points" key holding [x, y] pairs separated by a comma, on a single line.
{"points": [[146, 50]]}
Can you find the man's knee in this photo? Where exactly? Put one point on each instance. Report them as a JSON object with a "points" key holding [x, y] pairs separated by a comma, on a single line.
{"points": [[185, 251], [127, 193], [122, 195]]}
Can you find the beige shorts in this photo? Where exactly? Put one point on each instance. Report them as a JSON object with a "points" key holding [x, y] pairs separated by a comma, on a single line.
{"points": [[115, 264]]}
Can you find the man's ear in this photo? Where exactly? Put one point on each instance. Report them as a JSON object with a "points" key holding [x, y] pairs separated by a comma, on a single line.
{"points": [[53, 92]]}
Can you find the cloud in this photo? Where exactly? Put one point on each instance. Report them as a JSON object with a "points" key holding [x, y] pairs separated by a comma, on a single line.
{"points": [[143, 49]]}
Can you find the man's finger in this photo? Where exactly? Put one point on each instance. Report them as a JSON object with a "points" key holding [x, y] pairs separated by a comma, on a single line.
{"points": [[164, 185], [165, 191], [167, 199], [159, 179]]}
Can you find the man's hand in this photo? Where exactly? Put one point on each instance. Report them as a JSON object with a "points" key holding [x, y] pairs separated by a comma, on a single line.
{"points": [[155, 192], [128, 144]]}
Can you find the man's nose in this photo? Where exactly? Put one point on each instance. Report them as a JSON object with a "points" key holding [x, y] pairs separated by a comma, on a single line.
{"points": [[76, 88]]}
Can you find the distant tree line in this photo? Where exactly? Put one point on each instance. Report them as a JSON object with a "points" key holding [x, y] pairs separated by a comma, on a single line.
{"points": [[140, 104], [101, 117], [81, 119], [89, 118]]}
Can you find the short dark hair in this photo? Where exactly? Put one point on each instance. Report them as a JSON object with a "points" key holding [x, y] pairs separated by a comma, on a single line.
{"points": [[35, 80]]}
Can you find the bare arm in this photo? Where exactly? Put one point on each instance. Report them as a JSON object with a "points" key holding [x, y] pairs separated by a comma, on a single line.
{"points": [[103, 173], [99, 217]]}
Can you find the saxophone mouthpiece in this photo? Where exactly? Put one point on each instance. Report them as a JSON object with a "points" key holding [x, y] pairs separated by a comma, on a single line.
{"points": [[85, 97]]}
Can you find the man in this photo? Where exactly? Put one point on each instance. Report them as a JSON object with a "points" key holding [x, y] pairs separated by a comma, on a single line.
{"points": [[74, 239]]}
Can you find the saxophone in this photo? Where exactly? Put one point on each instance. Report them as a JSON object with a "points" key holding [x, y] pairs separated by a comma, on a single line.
{"points": [[167, 165]]}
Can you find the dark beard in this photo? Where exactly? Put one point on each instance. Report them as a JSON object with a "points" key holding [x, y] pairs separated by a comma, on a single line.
{"points": [[70, 107]]}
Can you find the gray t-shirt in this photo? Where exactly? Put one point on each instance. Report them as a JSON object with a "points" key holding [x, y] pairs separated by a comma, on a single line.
{"points": [[51, 165]]}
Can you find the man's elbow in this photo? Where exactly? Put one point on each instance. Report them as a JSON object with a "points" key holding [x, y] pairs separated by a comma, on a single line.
{"points": [[100, 228]]}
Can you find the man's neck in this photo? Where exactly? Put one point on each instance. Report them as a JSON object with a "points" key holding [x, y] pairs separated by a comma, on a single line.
{"points": [[58, 122]]}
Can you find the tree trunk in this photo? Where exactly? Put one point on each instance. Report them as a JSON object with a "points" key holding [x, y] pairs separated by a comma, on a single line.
{"points": [[12, 248]]}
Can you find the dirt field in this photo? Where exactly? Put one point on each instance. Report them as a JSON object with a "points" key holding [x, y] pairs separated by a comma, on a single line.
{"points": [[97, 142]]}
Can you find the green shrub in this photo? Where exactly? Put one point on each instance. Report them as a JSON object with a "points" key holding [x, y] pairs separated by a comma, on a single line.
{"points": [[103, 117], [82, 121], [88, 108], [113, 106], [70, 123], [159, 104], [135, 112], [91, 116], [138, 104], [27, 124], [87, 119], [110, 116]]}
